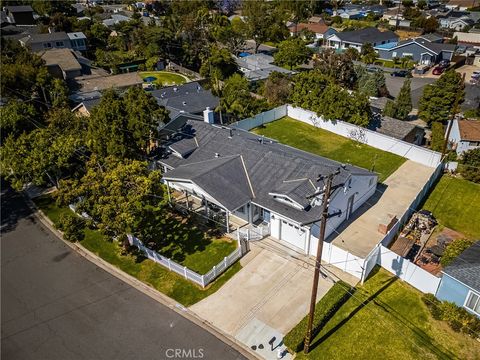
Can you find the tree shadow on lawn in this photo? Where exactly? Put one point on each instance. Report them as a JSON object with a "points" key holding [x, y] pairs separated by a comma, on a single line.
{"points": [[182, 236], [420, 335], [371, 298]]}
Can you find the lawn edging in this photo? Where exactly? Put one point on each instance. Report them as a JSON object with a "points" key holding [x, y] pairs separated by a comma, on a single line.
{"points": [[328, 305], [169, 283]]}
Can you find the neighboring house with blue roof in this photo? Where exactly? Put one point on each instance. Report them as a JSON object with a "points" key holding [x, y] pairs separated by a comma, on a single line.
{"points": [[460, 282], [420, 49]]}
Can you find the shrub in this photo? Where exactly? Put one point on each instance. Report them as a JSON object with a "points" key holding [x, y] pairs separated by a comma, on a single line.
{"points": [[454, 249], [324, 311], [72, 226], [459, 319]]}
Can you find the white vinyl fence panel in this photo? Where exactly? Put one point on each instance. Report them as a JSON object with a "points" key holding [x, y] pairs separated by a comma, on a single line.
{"points": [[262, 118], [407, 271], [202, 280], [380, 141]]}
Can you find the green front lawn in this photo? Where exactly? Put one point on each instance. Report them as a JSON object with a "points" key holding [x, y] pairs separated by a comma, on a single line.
{"points": [[387, 319], [456, 204], [325, 143], [163, 280], [165, 78]]}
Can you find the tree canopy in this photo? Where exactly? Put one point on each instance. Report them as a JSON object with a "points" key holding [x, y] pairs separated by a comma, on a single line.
{"points": [[440, 98], [292, 52]]}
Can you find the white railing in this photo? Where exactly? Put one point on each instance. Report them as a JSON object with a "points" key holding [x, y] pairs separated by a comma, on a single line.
{"points": [[202, 280], [253, 233]]}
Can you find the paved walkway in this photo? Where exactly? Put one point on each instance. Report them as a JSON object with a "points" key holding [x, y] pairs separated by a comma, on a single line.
{"points": [[360, 234], [268, 297]]}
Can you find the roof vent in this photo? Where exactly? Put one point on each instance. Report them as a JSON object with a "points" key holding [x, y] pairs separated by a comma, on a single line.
{"points": [[175, 89], [184, 103], [217, 155], [230, 135]]}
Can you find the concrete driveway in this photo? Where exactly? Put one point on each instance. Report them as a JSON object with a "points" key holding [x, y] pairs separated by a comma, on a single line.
{"points": [[268, 297]]}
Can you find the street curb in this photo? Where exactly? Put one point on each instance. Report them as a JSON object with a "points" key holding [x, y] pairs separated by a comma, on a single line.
{"points": [[143, 287]]}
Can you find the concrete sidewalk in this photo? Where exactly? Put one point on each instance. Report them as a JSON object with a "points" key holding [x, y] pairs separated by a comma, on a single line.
{"points": [[267, 298]]}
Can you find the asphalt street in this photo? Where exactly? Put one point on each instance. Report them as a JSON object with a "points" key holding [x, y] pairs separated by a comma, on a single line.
{"points": [[58, 305]]}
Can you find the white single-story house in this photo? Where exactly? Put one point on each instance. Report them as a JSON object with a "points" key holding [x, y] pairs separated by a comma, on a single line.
{"points": [[355, 39], [260, 181], [464, 135]]}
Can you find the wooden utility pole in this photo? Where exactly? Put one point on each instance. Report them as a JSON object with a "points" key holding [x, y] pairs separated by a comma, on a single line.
{"points": [[452, 115], [318, 261]]}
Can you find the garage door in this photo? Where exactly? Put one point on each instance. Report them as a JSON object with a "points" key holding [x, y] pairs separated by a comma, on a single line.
{"points": [[293, 235]]}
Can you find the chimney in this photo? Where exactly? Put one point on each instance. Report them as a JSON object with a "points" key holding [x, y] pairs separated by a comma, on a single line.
{"points": [[208, 115], [230, 133]]}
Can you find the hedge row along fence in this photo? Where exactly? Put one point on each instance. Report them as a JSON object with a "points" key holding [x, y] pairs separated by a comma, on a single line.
{"points": [[338, 295]]}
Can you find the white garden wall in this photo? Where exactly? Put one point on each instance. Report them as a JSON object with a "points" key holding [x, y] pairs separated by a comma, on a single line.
{"points": [[407, 271], [380, 141]]}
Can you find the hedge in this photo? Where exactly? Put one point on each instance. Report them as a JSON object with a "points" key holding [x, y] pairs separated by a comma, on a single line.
{"points": [[324, 311]]}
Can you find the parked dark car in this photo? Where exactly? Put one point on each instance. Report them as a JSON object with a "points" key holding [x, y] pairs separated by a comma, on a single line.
{"points": [[444, 63], [374, 69], [401, 73], [438, 70]]}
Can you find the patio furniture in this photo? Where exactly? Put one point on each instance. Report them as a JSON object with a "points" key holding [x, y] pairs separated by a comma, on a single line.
{"points": [[437, 250]]}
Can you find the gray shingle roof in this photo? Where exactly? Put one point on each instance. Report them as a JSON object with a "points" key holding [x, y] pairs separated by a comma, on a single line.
{"points": [[55, 36], [190, 98], [269, 165], [215, 177], [392, 127], [20, 8], [466, 267], [367, 35]]}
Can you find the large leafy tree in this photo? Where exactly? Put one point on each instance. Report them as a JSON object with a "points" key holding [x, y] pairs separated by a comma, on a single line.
{"points": [[237, 100], [16, 117], [264, 22], [292, 52], [368, 53], [401, 107], [370, 84], [440, 98], [118, 194], [44, 155], [314, 91], [218, 66], [277, 88], [232, 35], [124, 126], [471, 165], [337, 66]]}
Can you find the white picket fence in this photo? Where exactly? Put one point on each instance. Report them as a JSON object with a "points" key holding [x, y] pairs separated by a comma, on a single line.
{"points": [[202, 280]]}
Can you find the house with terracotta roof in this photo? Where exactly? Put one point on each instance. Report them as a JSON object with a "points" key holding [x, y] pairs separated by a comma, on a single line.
{"points": [[464, 135]]}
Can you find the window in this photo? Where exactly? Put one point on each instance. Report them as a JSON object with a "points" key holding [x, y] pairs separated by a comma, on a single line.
{"points": [[394, 54], [59, 44], [47, 45], [473, 302], [474, 143]]}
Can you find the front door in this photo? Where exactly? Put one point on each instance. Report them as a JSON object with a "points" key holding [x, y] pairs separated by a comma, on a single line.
{"points": [[350, 206]]}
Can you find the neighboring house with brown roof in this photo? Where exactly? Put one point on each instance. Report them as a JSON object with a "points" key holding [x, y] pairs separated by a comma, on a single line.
{"points": [[62, 63], [465, 135], [92, 83], [319, 29]]}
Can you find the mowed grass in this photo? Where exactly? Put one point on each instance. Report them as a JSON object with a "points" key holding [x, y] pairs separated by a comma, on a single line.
{"points": [[175, 286], [165, 78], [386, 319], [324, 143], [456, 204]]}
